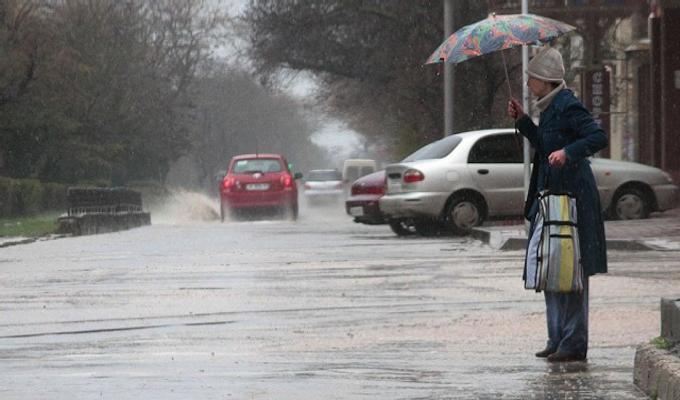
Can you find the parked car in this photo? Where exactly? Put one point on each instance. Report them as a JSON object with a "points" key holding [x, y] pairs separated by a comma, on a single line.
{"points": [[363, 204], [323, 185], [259, 182], [463, 179]]}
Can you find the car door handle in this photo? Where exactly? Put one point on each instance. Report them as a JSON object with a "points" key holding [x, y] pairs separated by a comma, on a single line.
{"points": [[482, 171]]}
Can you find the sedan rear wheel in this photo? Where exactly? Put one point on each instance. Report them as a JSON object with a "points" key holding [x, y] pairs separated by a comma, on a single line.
{"points": [[427, 227], [402, 227], [463, 214], [293, 212], [630, 203], [223, 212]]}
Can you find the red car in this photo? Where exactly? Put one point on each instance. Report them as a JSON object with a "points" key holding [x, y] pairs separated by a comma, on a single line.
{"points": [[259, 182], [362, 203]]}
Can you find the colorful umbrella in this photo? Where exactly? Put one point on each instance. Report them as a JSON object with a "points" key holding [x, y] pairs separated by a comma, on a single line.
{"points": [[497, 32]]}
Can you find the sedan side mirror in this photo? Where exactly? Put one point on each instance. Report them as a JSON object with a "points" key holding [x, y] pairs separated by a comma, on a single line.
{"points": [[298, 175]]}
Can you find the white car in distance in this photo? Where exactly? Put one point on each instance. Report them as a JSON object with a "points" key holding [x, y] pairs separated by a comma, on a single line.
{"points": [[324, 186]]}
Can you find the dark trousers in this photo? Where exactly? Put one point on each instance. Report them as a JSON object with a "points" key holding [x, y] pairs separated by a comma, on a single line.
{"points": [[567, 316]]}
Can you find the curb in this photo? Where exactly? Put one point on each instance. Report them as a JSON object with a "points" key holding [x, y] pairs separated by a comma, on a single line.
{"points": [[657, 371], [670, 319], [501, 241], [94, 223], [8, 243], [19, 241]]}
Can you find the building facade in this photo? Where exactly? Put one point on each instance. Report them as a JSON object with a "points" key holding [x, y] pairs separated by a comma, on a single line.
{"points": [[628, 72]]}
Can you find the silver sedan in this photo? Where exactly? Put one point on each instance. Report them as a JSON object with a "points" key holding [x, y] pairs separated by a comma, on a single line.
{"points": [[463, 179], [324, 185]]}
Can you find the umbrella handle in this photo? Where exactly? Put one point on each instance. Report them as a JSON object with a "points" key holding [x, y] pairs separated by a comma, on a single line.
{"points": [[507, 77]]}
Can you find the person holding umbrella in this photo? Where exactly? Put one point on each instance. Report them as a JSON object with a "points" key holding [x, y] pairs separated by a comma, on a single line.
{"points": [[565, 137]]}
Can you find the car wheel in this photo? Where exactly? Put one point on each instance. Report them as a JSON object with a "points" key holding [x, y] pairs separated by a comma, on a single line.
{"points": [[402, 227], [427, 227], [463, 214], [630, 203], [293, 212]]}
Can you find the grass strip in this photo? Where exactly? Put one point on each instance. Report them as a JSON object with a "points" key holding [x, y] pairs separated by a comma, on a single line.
{"points": [[29, 226]]}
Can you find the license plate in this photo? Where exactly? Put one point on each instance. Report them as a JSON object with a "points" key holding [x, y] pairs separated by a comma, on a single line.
{"points": [[356, 211], [257, 186]]}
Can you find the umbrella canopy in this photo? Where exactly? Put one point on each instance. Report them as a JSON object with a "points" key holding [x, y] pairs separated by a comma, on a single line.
{"points": [[497, 32]]}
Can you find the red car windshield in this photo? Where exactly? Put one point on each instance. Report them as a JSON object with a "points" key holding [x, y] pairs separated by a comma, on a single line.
{"points": [[262, 165]]}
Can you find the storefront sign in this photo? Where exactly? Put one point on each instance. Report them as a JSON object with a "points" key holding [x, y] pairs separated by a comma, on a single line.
{"points": [[596, 96]]}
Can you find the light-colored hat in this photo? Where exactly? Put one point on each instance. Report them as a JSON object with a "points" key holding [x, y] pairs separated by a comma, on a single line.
{"points": [[547, 66]]}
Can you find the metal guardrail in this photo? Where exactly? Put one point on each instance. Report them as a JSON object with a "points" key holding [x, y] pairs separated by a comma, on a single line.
{"points": [[104, 209], [99, 210], [85, 200]]}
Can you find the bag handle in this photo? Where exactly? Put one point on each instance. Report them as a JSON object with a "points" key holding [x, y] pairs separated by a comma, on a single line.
{"points": [[546, 181]]}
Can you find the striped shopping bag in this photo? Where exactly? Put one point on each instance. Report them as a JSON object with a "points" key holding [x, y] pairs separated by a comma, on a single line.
{"points": [[553, 260]]}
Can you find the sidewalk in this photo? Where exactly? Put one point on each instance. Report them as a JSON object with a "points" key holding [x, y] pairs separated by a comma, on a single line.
{"points": [[657, 370], [661, 232]]}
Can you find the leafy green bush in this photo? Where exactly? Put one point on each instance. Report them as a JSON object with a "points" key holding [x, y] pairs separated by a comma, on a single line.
{"points": [[30, 196], [6, 196], [54, 197]]}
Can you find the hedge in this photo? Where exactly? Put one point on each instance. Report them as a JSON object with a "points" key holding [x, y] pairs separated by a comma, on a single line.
{"points": [[20, 197]]}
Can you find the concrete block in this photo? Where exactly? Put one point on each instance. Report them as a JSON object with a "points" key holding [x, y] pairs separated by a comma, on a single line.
{"points": [[670, 319], [514, 243], [657, 372], [480, 234], [91, 224]]}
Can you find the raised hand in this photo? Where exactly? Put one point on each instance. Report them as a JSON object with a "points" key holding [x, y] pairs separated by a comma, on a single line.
{"points": [[515, 109]]}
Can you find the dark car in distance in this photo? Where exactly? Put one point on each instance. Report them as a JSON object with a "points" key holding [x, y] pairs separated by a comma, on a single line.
{"points": [[259, 182]]}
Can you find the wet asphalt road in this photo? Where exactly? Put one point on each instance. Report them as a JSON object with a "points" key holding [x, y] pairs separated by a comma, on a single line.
{"points": [[318, 309]]}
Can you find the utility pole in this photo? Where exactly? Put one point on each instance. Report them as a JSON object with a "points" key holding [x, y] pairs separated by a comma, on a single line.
{"points": [[525, 104], [448, 71]]}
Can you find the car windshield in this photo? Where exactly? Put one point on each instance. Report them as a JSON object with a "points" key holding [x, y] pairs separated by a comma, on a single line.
{"points": [[262, 165], [330, 175], [439, 149]]}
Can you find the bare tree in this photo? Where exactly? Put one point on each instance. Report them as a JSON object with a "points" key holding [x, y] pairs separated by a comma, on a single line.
{"points": [[108, 96], [18, 46], [235, 115], [369, 55]]}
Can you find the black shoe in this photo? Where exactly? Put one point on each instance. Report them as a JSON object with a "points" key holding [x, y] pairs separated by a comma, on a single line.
{"points": [[545, 352], [565, 357]]}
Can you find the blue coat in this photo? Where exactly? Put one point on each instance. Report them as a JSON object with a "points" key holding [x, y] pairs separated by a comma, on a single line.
{"points": [[567, 124]]}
